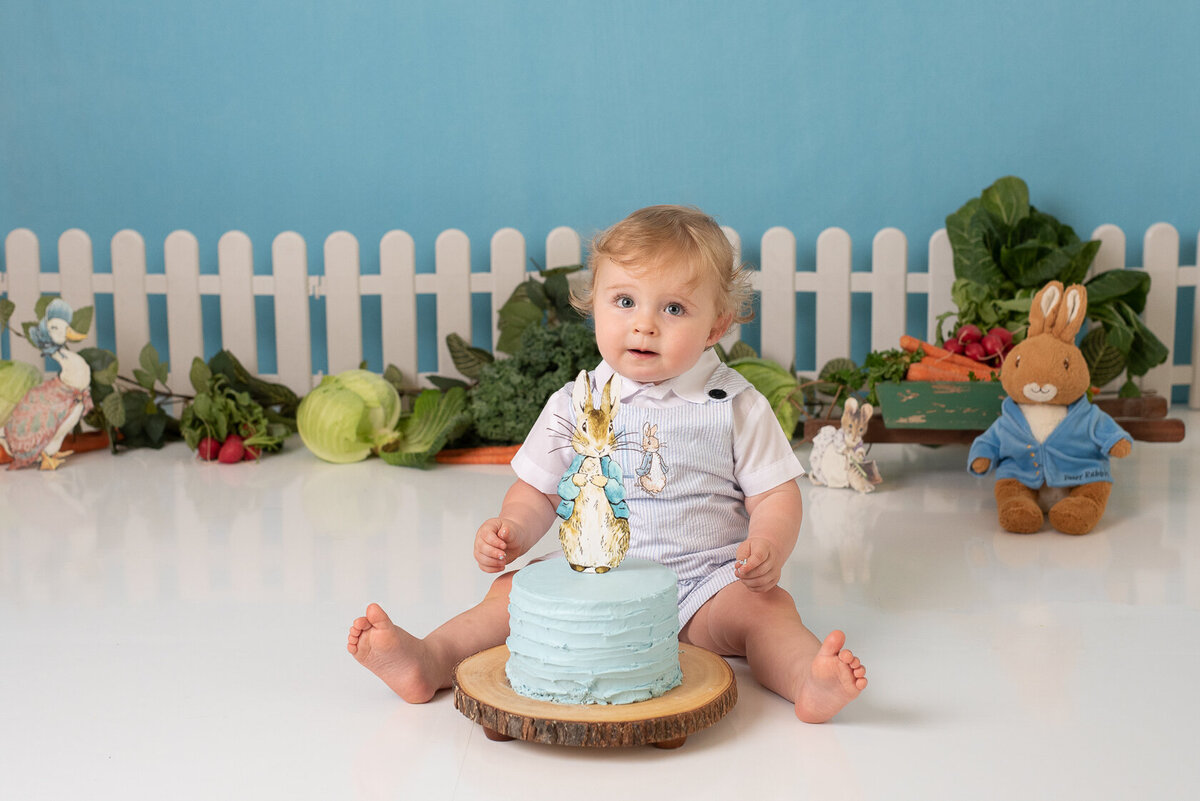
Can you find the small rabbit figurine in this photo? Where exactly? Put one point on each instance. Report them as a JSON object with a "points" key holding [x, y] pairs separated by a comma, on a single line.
{"points": [[837, 454], [594, 532], [1050, 446], [652, 475]]}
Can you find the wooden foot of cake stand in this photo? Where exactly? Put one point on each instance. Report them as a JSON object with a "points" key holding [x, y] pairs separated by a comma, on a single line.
{"points": [[708, 692]]}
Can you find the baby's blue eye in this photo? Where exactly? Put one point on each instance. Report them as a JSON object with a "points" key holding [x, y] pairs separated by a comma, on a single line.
{"points": [[625, 302], [674, 309]]}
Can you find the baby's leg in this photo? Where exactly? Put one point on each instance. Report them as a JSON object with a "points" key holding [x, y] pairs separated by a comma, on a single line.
{"points": [[818, 677], [415, 668]]}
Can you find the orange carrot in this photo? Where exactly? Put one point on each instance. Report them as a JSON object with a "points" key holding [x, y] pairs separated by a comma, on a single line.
{"points": [[939, 370], [911, 344], [487, 454]]}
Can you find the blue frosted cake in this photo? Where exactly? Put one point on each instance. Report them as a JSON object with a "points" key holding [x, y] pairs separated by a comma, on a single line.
{"points": [[585, 638]]}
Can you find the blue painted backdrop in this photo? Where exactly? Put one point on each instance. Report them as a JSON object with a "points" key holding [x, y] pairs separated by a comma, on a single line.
{"points": [[479, 114]]}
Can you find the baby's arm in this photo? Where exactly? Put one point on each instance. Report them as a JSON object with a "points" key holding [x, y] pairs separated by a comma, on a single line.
{"points": [[774, 527], [525, 516]]}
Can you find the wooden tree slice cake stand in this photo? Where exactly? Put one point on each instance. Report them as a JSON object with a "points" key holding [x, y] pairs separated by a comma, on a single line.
{"points": [[708, 692]]}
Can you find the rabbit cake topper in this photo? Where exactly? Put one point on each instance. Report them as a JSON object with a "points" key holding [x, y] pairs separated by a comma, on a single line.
{"points": [[1050, 446], [838, 454], [594, 530]]}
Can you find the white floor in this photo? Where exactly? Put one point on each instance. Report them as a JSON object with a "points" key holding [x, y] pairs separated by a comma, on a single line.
{"points": [[176, 630]]}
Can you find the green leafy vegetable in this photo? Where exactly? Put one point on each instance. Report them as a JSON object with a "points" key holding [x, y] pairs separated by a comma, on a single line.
{"points": [[511, 392], [348, 416], [1005, 250], [16, 379], [433, 420]]}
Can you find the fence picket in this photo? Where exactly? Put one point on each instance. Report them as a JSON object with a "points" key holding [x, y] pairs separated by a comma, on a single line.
{"points": [[185, 330], [23, 256], [508, 271], [239, 322], [75, 269], [289, 263], [131, 314], [941, 281], [1194, 378], [833, 295], [563, 248], [889, 293], [776, 283], [1160, 251], [343, 302], [453, 267], [398, 302]]}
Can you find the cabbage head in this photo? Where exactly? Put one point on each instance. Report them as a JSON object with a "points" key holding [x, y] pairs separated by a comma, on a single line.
{"points": [[16, 379], [349, 416]]}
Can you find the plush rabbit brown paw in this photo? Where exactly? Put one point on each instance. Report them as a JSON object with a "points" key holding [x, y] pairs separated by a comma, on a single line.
{"points": [[1050, 445]]}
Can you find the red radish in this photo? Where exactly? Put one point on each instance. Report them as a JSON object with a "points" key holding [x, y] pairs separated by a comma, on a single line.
{"points": [[208, 449], [992, 345], [252, 453], [972, 350], [968, 333], [231, 450], [1006, 337], [954, 346]]}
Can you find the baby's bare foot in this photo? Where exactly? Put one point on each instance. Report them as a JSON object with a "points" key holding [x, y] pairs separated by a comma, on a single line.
{"points": [[834, 680], [394, 655]]}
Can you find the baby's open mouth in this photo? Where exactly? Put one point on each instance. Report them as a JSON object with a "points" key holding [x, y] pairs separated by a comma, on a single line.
{"points": [[639, 352]]}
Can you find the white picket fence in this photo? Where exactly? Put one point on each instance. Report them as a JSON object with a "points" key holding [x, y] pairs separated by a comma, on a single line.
{"points": [[342, 286]]}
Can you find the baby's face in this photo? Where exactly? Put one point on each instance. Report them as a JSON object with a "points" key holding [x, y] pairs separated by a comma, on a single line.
{"points": [[650, 325]]}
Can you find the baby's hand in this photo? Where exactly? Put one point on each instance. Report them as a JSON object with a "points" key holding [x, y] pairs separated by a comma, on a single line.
{"points": [[491, 545], [758, 566]]}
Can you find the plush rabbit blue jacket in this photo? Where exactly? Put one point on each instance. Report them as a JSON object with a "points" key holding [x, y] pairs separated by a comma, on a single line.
{"points": [[1076, 452], [614, 490]]}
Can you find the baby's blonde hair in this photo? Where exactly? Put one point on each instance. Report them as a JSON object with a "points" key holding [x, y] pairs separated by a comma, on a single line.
{"points": [[658, 237]]}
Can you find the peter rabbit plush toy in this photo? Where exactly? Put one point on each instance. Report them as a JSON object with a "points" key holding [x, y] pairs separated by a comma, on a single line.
{"points": [[594, 532], [1050, 445]]}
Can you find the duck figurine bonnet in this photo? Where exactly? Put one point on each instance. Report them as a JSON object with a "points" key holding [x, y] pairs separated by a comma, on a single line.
{"points": [[47, 413]]}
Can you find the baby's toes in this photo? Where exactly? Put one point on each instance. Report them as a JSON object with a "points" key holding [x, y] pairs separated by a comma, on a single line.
{"points": [[846, 656]]}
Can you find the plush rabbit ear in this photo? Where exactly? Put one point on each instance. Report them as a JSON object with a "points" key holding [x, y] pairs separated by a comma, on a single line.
{"points": [[1042, 310], [581, 394], [851, 405], [866, 411], [1071, 311]]}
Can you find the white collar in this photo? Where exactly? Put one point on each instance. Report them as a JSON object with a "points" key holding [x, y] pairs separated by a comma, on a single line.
{"points": [[689, 386]]}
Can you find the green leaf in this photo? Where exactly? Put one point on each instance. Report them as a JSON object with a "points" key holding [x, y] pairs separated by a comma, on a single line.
{"points": [[81, 319], [445, 384], [741, 350], [469, 360], [114, 410], [1131, 286], [39, 308], [200, 375], [515, 317], [972, 257], [1006, 201], [103, 364], [424, 432], [393, 376], [1104, 361], [143, 378], [7, 307]]}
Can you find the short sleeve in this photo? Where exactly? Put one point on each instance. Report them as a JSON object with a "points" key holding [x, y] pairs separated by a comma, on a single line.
{"points": [[542, 459], [762, 454]]}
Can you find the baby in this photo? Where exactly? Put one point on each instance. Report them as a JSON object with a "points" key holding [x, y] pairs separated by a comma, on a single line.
{"points": [[664, 289]]}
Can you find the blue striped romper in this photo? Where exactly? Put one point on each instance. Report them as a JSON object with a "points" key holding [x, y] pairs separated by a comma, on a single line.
{"points": [[695, 522]]}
